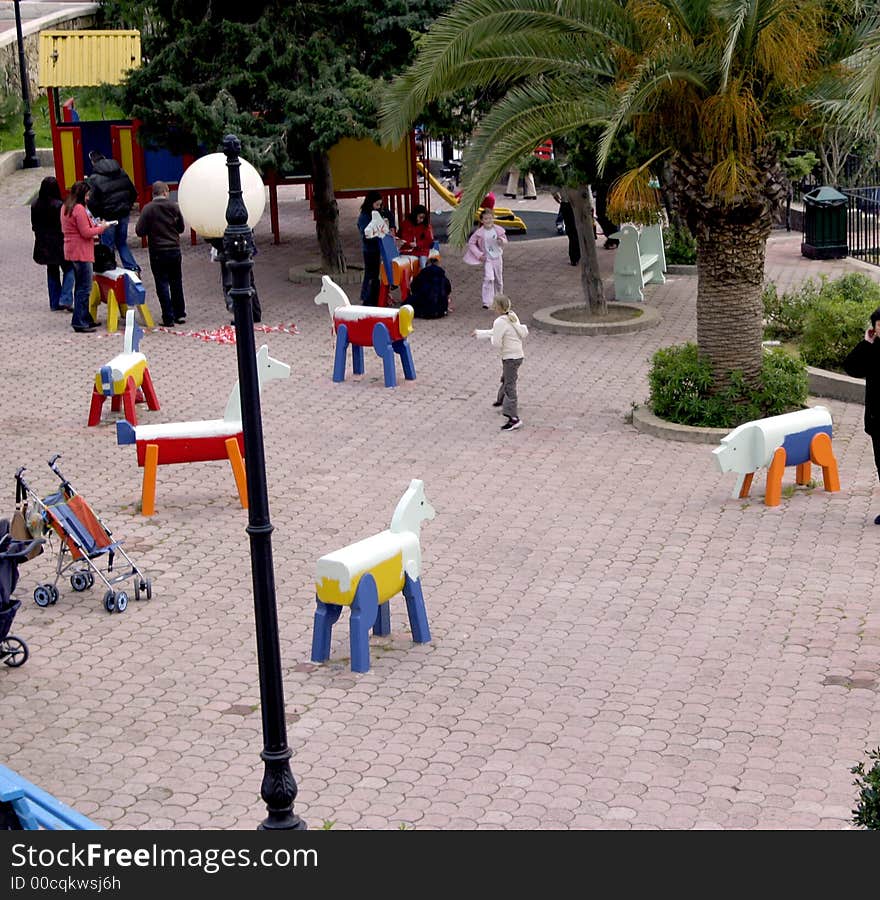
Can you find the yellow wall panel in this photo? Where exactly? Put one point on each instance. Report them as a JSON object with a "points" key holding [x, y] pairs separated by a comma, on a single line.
{"points": [[68, 156], [364, 165], [83, 58]]}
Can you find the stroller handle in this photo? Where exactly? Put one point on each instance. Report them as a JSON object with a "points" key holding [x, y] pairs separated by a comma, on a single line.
{"points": [[52, 460]]}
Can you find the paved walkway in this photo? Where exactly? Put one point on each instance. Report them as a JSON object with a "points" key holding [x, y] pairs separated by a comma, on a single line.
{"points": [[616, 643]]}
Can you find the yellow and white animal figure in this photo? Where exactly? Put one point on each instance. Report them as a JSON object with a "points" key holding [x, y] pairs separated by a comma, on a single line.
{"points": [[365, 575]]}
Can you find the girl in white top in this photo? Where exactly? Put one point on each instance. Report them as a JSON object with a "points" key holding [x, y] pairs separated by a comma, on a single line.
{"points": [[507, 335], [484, 249]]}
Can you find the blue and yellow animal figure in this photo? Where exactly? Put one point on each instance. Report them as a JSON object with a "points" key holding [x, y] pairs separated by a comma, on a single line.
{"points": [[125, 379], [793, 439], [198, 441], [121, 290], [367, 574], [385, 330]]}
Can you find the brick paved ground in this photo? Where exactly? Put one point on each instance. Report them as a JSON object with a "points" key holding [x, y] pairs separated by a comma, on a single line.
{"points": [[616, 643]]}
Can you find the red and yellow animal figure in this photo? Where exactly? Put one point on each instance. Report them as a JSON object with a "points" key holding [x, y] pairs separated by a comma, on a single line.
{"points": [[793, 439], [125, 379], [121, 290], [385, 330], [367, 574], [198, 441]]}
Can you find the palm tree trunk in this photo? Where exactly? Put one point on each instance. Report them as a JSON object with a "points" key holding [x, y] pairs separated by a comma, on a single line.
{"points": [[730, 278], [591, 280], [326, 215]]}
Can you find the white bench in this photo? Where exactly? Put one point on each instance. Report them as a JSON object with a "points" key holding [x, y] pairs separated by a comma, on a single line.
{"points": [[639, 260]]}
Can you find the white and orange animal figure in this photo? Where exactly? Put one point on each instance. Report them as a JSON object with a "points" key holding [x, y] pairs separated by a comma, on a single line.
{"points": [[367, 574], [198, 441], [793, 439], [125, 379], [385, 330]]}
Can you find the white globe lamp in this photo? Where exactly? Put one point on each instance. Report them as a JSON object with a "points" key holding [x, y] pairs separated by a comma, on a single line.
{"points": [[203, 194]]}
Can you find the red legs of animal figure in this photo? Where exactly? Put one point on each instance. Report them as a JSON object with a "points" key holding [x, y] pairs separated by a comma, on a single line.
{"points": [[821, 454], [746, 485], [773, 494]]}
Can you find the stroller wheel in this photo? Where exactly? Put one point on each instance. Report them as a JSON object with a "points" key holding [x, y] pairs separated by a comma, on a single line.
{"points": [[121, 601], [79, 581], [110, 601], [91, 579], [14, 652], [42, 595], [54, 594]]}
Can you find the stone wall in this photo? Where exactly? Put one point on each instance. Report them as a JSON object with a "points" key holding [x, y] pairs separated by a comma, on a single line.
{"points": [[10, 82]]}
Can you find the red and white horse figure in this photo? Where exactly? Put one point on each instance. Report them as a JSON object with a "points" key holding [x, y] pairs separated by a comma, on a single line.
{"points": [[383, 329]]}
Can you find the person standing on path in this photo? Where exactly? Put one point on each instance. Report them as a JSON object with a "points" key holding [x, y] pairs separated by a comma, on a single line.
{"points": [[566, 214], [161, 223], [49, 245], [507, 334], [484, 249], [371, 246], [113, 195], [80, 231], [864, 362]]}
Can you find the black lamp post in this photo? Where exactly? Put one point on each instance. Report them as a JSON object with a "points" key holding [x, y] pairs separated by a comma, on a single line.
{"points": [[31, 160], [279, 787]]}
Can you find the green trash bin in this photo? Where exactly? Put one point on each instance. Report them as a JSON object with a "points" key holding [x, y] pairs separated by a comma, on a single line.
{"points": [[824, 224]]}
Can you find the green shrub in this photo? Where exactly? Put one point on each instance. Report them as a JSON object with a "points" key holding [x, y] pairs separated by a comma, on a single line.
{"points": [[680, 381], [867, 813], [784, 316], [832, 328], [835, 329], [679, 245]]}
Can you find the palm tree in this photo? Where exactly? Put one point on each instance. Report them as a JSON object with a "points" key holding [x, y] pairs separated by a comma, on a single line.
{"points": [[705, 85]]}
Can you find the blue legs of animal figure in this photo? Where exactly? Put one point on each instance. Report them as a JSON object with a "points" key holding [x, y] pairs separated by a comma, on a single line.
{"points": [[386, 348], [367, 613], [357, 355]]}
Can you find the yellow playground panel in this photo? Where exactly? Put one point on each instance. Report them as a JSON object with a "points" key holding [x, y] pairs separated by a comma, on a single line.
{"points": [[361, 165]]}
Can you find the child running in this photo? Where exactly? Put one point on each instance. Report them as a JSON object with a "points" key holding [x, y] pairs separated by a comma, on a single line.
{"points": [[507, 335], [484, 249]]}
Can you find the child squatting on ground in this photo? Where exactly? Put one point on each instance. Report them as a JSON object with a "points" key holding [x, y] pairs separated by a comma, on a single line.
{"points": [[484, 249], [507, 335]]}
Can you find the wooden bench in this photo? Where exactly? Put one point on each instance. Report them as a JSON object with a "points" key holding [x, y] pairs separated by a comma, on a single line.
{"points": [[639, 260], [34, 809]]}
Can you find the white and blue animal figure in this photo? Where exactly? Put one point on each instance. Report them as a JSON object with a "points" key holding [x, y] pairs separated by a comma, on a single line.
{"points": [[367, 574], [125, 379], [794, 439], [382, 328]]}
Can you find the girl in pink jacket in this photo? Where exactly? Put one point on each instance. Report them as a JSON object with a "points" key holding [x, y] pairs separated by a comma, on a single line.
{"points": [[80, 231], [484, 249]]}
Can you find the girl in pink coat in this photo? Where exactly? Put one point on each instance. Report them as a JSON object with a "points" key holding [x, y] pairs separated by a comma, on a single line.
{"points": [[484, 249]]}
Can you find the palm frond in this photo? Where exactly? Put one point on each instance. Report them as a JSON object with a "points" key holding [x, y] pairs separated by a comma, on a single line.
{"points": [[731, 122], [633, 197], [457, 35], [730, 179]]}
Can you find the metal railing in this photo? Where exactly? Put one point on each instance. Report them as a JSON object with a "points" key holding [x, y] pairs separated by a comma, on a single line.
{"points": [[863, 223]]}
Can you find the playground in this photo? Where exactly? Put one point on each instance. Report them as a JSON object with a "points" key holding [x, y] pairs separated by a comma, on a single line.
{"points": [[615, 642]]}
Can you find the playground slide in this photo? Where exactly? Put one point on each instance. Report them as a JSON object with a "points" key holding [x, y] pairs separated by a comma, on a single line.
{"points": [[504, 216]]}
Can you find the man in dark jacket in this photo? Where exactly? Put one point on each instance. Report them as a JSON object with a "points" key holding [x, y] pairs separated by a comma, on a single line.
{"points": [[161, 223], [112, 196], [864, 362], [429, 291]]}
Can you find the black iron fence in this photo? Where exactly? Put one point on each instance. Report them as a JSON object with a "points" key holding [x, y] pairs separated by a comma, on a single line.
{"points": [[863, 223]]}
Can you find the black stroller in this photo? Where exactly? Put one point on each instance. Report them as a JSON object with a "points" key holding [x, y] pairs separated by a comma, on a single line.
{"points": [[85, 542], [13, 650]]}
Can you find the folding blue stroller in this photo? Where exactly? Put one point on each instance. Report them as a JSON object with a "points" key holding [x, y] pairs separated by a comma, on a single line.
{"points": [[13, 650], [85, 543]]}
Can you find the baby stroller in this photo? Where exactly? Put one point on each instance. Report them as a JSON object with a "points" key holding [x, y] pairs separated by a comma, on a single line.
{"points": [[84, 539], [13, 650]]}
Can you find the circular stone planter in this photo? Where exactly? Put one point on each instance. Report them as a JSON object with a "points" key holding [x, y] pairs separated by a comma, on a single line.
{"points": [[645, 421], [313, 275], [635, 317]]}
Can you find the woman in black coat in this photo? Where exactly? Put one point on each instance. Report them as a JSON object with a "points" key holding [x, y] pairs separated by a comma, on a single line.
{"points": [[49, 245], [864, 362]]}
